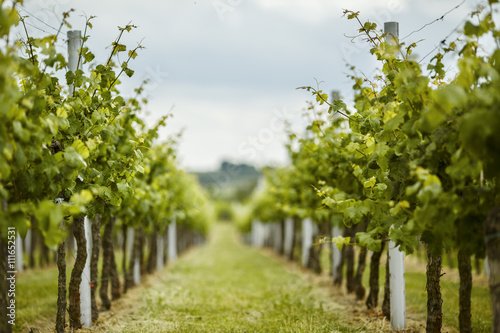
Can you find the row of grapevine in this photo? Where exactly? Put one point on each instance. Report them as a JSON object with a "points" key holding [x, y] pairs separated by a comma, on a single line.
{"points": [[414, 161], [82, 157]]}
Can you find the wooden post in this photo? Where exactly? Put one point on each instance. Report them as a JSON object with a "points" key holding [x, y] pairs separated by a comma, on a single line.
{"points": [[307, 240], [74, 45], [27, 242], [85, 286], [266, 231], [397, 285], [288, 247], [396, 257], [130, 241], [19, 253], [159, 251], [258, 234], [486, 267], [391, 29], [278, 236], [137, 269], [253, 233], [336, 254], [172, 240]]}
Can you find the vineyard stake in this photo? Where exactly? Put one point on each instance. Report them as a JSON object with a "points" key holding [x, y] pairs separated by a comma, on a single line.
{"points": [[288, 248], [172, 240], [159, 251], [277, 237], [336, 254], [396, 257], [307, 239], [19, 253], [74, 46], [85, 286]]}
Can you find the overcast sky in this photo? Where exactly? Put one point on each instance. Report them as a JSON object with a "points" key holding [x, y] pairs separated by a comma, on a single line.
{"points": [[229, 69]]}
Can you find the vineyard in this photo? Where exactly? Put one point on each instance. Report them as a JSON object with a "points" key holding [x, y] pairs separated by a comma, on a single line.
{"points": [[94, 203]]}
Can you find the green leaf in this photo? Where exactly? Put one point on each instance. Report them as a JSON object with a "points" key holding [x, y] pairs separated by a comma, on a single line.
{"points": [[356, 212], [366, 240], [119, 48], [340, 241], [124, 188], [353, 146], [401, 205], [80, 148], [132, 54], [129, 72], [412, 189], [370, 182], [74, 159], [88, 57], [82, 198], [432, 119], [61, 112], [328, 202], [70, 77], [21, 133]]}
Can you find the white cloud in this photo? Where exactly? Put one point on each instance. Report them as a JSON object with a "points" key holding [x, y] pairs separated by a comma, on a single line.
{"points": [[321, 10], [216, 127]]}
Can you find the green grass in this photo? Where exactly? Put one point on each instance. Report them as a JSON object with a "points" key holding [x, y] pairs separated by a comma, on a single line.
{"points": [[36, 296], [416, 297], [36, 293], [227, 287]]}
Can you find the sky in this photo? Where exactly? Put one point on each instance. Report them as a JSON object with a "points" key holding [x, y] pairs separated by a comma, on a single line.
{"points": [[228, 70]]}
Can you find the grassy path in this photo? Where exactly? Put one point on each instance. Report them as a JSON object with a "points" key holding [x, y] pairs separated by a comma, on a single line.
{"points": [[226, 287]]}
